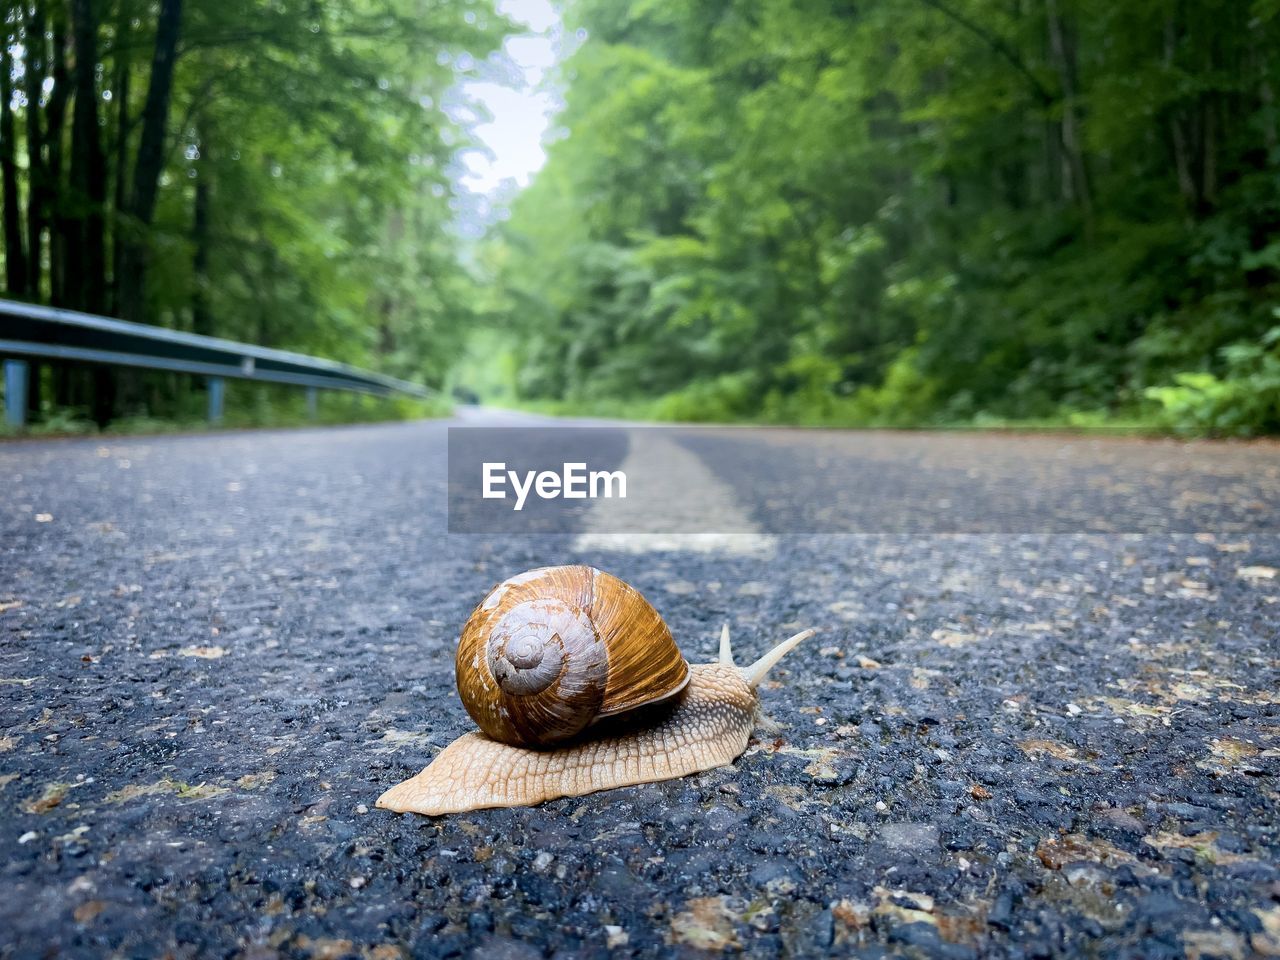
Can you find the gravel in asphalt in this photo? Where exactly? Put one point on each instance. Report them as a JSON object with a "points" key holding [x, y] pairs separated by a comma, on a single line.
{"points": [[216, 651]]}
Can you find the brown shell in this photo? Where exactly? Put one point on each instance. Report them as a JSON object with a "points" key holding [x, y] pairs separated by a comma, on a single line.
{"points": [[549, 651]]}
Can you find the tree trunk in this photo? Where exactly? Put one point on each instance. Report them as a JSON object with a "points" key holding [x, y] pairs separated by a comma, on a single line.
{"points": [[1064, 56], [121, 171], [55, 121], [63, 385], [1209, 163], [1182, 163], [146, 171], [201, 321], [104, 395], [86, 254], [1177, 129], [37, 66], [15, 263], [387, 309], [1053, 164], [33, 389], [1268, 98]]}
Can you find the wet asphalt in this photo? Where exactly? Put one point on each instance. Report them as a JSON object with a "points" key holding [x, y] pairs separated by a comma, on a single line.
{"points": [[217, 650]]}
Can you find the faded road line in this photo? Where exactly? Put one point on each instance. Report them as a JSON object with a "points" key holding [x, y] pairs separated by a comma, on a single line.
{"points": [[687, 492]]}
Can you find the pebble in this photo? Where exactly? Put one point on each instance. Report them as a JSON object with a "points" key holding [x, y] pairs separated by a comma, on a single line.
{"points": [[615, 936]]}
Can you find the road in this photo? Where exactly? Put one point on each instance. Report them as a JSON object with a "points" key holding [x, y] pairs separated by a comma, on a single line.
{"points": [[217, 650]]}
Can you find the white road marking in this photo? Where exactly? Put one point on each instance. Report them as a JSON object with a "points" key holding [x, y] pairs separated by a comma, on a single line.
{"points": [[681, 491]]}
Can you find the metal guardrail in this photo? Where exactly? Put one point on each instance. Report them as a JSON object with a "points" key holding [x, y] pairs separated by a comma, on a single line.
{"points": [[28, 330]]}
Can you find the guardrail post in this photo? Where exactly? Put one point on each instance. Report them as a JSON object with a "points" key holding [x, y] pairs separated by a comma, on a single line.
{"points": [[311, 402], [216, 386], [15, 393]]}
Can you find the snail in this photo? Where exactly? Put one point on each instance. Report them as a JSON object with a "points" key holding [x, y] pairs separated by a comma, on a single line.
{"points": [[577, 686]]}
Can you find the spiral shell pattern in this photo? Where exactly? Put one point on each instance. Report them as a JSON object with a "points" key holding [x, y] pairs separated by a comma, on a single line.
{"points": [[549, 651]]}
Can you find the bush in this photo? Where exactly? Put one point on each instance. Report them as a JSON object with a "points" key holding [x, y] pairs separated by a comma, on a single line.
{"points": [[1244, 401]]}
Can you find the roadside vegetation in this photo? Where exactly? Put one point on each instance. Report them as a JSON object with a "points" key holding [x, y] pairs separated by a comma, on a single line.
{"points": [[895, 213], [907, 212], [268, 172]]}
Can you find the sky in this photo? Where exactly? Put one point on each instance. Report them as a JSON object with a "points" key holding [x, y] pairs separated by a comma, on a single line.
{"points": [[512, 95]]}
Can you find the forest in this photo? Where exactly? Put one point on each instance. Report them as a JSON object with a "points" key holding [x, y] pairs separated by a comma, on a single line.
{"points": [[889, 213], [908, 212], [270, 171]]}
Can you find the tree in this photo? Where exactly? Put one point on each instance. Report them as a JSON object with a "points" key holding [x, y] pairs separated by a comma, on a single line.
{"points": [[141, 204], [234, 167], [899, 212]]}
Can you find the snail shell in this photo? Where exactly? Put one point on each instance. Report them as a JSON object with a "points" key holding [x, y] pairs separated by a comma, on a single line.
{"points": [[550, 651]]}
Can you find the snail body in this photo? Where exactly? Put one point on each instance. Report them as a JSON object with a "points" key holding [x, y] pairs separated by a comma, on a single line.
{"points": [[663, 719]]}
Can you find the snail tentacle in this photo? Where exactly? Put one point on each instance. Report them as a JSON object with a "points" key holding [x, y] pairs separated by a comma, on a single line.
{"points": [[756, 673]]}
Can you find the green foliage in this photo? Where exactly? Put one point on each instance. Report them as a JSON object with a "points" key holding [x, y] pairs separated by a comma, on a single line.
{"points": [[303, 194], [1244, 400], [904, 212]]}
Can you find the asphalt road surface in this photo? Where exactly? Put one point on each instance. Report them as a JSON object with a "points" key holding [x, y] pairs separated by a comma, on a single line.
{"points": [[216, 651]]}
